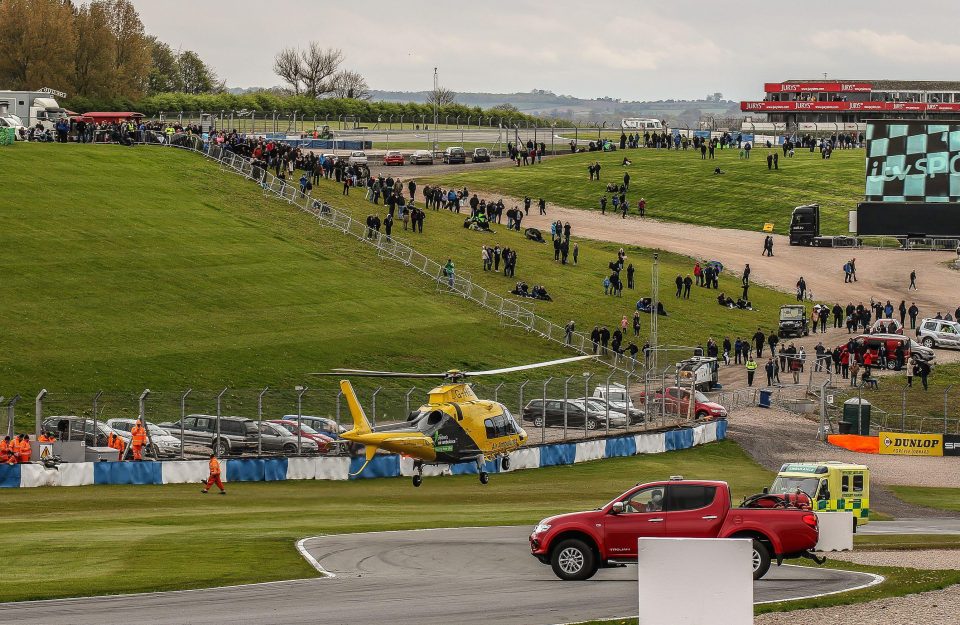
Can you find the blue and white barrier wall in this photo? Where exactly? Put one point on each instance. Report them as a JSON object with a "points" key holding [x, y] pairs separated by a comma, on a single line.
{"points": [[322, 468]]}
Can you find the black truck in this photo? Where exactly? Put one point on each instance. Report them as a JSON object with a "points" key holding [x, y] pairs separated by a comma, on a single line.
{"points": [[805, 229]]}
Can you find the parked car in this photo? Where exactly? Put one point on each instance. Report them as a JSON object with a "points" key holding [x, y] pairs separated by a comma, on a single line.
{"points": [[595, 403], [454, 156], [357, 157], [872, 344], [74, 428], [165, 445], [325, 444], [576, 545], [322, 425], [617, 394], [577, 415], [274, 437], [676, 400], [393, 157], [237, 434], [421, 157], [939, 333], [886, 326], [480, 155]]}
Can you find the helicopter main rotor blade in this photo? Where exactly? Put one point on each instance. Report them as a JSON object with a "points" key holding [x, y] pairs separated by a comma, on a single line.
{"points": [[362, 373], [535, 365]]}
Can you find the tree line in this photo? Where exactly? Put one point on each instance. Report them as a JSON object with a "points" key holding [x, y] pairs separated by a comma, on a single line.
{"points": [[94, 52]]}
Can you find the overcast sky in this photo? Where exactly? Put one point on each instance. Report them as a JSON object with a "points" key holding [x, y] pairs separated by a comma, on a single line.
{"points": [[634, 50]]}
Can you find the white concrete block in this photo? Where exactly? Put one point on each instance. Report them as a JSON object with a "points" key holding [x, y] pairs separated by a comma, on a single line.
{"points": [[590, 450], [528, 458], [333, 468], [302, 468], [695, 581], [188, 471], [651, 443], [76, 473], [34, 475], [836, 531]]}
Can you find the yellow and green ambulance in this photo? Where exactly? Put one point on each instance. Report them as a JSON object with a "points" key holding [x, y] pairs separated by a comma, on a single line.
{"points": [[832, 486]]}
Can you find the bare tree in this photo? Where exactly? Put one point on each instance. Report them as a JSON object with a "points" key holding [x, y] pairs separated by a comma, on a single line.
{"points": [[286, 64], [348, 84], [441, 96], [317, 67]]}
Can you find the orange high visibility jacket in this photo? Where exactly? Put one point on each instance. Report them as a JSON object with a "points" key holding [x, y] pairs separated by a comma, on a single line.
{"points": [[139, 435], [25, 450], [214, 466], [43, 438], [4, 449]]}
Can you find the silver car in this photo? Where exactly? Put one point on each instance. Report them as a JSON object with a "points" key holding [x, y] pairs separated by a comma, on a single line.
{"points": [[939, 333], [166, 445]]}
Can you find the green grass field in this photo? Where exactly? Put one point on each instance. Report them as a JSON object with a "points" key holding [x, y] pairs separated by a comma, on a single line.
{"points": [[110, 539], [937, 498], [679, 186], [577, 290], [132, 268]]}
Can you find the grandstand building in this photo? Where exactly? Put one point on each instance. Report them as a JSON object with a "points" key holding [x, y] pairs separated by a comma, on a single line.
{"points": [[802, 102]]}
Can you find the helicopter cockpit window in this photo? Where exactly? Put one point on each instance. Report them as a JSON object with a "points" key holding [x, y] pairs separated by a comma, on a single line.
{"points": [[500, 426]]}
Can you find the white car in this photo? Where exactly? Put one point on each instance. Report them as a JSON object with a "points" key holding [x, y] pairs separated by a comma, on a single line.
{"points": [[939, 333], [617, 397], [166, 443], [357, 157]]}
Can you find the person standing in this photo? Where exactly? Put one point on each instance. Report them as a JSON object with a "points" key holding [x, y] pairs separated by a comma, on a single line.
{"points": [[636, 323], [542, 204], [214, 477], [902, 309], [758, 338], [687, 283], [576, 253], [768, 368], [913, 281], [751, 369], [913, 311], [801, 289], [568, 332], [854, 371], [138, 438], [911, 371], [923, 369], [679, 282]]}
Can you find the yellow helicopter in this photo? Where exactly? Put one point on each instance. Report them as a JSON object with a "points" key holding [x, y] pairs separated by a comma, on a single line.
{"points": [[453, 426]]}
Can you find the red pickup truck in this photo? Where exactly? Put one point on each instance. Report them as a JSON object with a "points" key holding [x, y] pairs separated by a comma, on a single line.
{"points": [[578, 544]]}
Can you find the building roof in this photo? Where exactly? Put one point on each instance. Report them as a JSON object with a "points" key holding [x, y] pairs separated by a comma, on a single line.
{"points": [[893, 85]]}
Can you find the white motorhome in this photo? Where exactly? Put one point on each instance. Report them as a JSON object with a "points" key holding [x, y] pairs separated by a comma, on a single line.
{"points": [[638, 123], [33, 107]]}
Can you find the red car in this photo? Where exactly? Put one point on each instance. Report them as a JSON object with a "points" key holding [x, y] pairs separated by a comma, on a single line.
{"points": [[323, 441], [393, 158], [576, 545], [677, 401]]}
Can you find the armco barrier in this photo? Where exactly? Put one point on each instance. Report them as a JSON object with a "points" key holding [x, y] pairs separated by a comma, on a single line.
{"points": [[324, 468]]}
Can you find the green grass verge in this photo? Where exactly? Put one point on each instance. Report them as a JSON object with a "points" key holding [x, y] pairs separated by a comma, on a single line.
{"points": [[679, 186], [929, 497], [906, 542], [115, 539]]}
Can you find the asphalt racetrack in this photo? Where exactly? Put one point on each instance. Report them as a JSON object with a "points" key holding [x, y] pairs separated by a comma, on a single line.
{"points": [[428, 577]]}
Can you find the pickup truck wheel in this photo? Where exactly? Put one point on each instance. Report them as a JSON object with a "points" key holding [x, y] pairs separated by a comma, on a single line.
{"points": [[928, 342], [761, 559], [573, 560], [702, 414], [222, 447]]}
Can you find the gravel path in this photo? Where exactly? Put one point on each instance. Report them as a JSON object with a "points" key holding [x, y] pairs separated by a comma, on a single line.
{"points": [[939, 607], [930, 559]]}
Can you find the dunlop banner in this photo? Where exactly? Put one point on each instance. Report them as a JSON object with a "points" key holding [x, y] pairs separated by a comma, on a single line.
{"points": [[901, 444], [951, 445]]}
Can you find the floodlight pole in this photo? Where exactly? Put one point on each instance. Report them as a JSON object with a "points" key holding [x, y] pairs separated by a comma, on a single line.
{"points": [[651, 364], [436, 87]]}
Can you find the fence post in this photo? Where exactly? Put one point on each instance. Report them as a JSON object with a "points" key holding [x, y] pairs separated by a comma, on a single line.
{"points": [[39, 409], [520, 410], [373, 406], [903, 409], [565, 398], [142, 409], [260, 420], [407, 398], [300, 392], [11, 414], [543, 412], [96, 430], [496, 392], [219, 442], [183, 415], [607, 403], [946, 392], [339, 395]]}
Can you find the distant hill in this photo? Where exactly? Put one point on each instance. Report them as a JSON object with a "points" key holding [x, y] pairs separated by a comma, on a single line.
{"points": [[548, 104]]}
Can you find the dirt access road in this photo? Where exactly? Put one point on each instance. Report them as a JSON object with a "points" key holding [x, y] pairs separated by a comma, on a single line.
{"points": [[881, 274]]}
